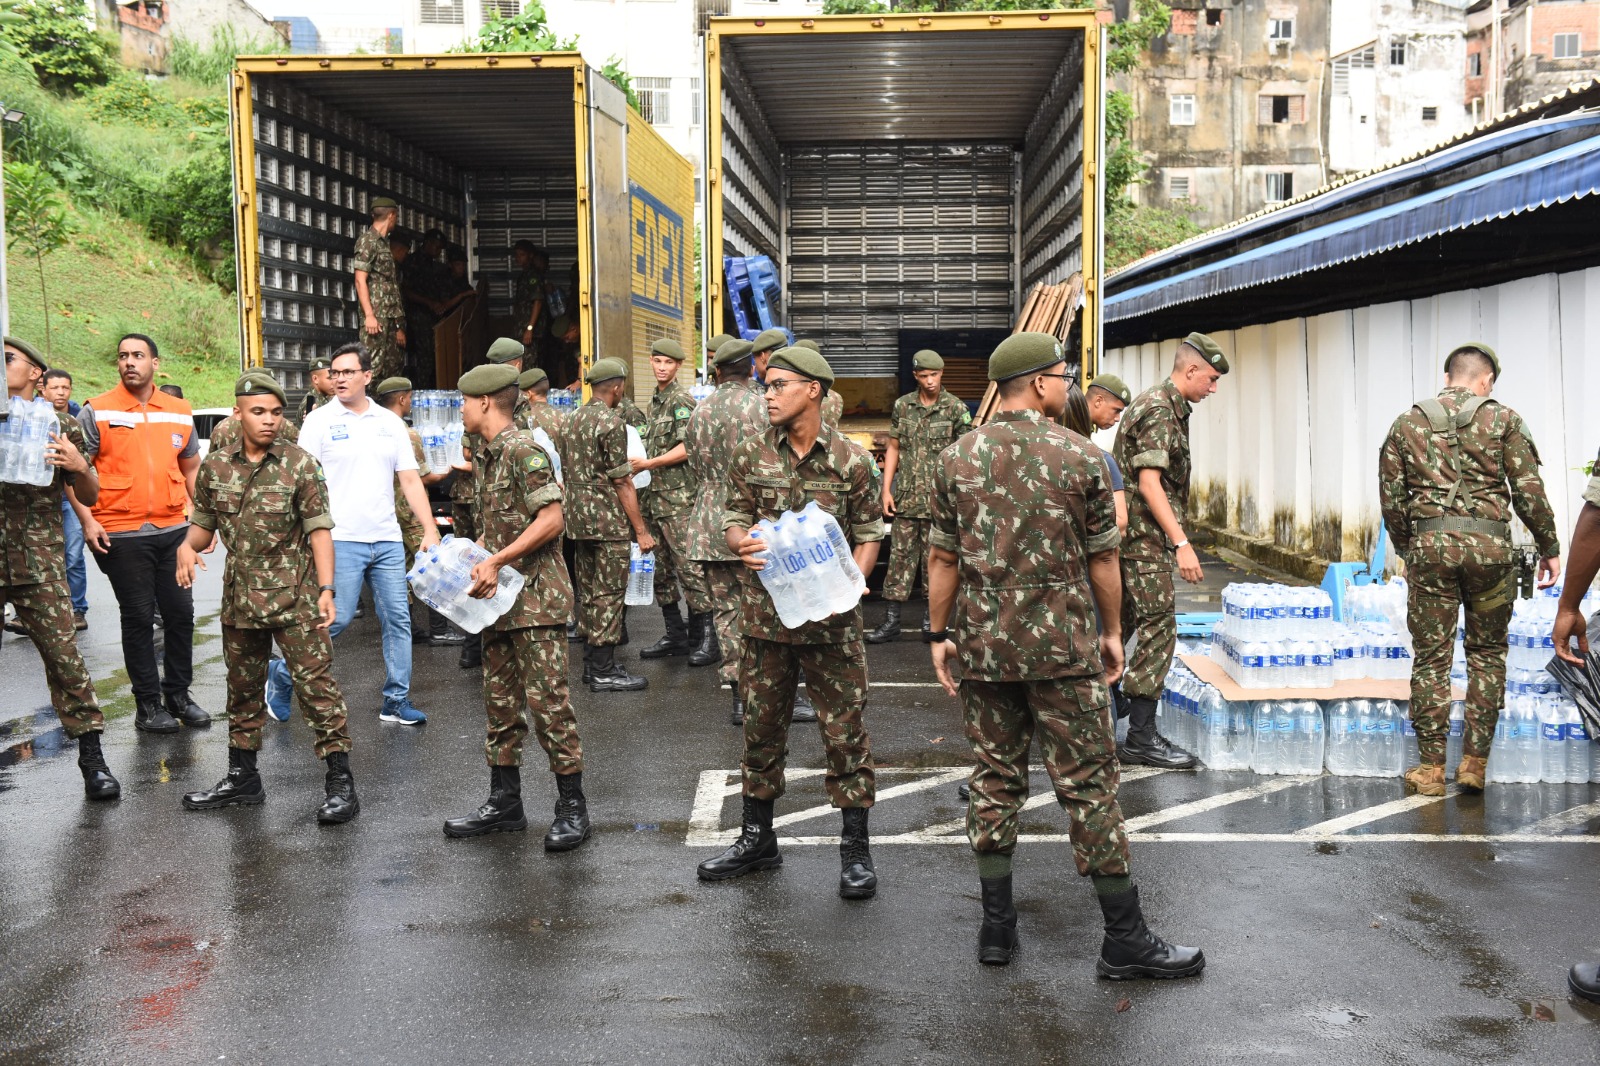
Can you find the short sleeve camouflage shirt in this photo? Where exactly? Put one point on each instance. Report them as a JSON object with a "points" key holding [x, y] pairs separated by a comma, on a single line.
{"points": [[383, 281], [729, 416], [1154, 435], [515, 482], [671, 490], [923, 432], [594, 454]]}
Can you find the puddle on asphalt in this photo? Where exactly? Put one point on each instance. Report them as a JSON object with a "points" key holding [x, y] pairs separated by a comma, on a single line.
{"points": [[1558, 1010], [1338, 1017], [1327, 847]]}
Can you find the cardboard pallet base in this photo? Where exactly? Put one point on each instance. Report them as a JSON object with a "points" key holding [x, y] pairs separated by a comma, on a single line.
{"points": [[1364, 688]]}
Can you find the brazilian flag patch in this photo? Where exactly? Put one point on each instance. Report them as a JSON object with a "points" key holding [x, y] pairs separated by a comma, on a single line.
{"points": [[536, 461], [684, 412]]}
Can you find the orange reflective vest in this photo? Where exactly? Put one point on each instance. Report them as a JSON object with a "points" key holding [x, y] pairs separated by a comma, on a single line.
{"points": [[137, 462]]}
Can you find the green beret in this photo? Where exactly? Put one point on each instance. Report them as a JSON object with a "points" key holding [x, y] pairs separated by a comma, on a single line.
{"points": [[504, 350], [28, 350], [768, 340], [1470, 346], [394, 384], [1209, 350], [668, 347], [731, 351], [487, 379], [381, 201], [321, 362], [1023, 353], [1113, 384], [718, 341], [606, 370], [805, 362], [927, 360], [813, 345], [532, 377], [258, 383]]}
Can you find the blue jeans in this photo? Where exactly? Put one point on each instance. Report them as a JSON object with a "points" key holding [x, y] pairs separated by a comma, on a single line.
{"points": [[77, 576]]}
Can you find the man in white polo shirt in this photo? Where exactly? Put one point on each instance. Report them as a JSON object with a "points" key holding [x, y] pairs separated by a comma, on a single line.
{"points": [[363, 448]]}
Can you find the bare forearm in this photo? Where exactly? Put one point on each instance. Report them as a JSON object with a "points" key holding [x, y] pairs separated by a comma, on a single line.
{"points": [[363, 295], [322, 555], [417, 497], [891, 460], [1105, 584], [629, 497], [943, 576], [198, 539], [1583, 557], [866, 556], [678, 454]]}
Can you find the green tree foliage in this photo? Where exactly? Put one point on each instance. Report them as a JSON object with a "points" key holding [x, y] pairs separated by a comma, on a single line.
{"points": [[210, 63], [55, 38], [530, 32], [1134, 231], [36, 223]]}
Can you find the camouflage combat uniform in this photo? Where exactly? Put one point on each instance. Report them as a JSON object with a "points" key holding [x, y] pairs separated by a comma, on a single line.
{"points": [[383, 289], [764, 480], [33, 579], [411, 530], [526, 291], [1448, 518], [226, 433], [1024, 503], [313, 400], [543, 416], [265, 513], [525, 650], [667, 499], [1154, 435], [923, 432], [632, 414], [594, 453], [832, 408], [728, 417]]}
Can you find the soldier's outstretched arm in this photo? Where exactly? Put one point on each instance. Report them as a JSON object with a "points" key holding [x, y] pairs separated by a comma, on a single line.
{"points": [[1528, 499], [545, 527], [1583, 563]]}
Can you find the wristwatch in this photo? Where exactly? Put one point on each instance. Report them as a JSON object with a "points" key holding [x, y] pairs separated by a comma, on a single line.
{"points": [[938, 636], [327, 588]]}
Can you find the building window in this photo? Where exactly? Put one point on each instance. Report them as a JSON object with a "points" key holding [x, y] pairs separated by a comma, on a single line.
{"points": [[1213, 17], [1343, 65], [655, 99], [695, 101], [1280, 31], [1180, 109], [1280, 110], [442, 13], [1280, 187], [1564, 45], [1399, 51], [1178, 187], [1430, 114], [1475, 65], [500, 9]]}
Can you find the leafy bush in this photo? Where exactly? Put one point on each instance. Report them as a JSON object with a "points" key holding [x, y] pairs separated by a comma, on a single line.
{"points": [[211, 63], [129, 98], [55, 39]]}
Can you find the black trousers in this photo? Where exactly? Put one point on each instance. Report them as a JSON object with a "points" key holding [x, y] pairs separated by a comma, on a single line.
{"points": [[144, 574]]}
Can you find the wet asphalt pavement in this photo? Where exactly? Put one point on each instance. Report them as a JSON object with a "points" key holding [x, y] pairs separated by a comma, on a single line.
{"points": [[138, 931]]}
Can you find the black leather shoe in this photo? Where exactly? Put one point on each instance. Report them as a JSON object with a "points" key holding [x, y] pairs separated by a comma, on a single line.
{"points": [[241, 788], [471, 656], [151, 717], [889, 629], [703, 628], [341, 803], [500, 813], [1584, 981], [803, 710], [451, 637], [737, 717], [1130, 950], [756, 849], [98, 784], [574, 635], [997, 936], [609, 676], [964, 792], [187, 711], [571, 826], [1145, 745], [857, 878], [676, 639], [588, 662]]}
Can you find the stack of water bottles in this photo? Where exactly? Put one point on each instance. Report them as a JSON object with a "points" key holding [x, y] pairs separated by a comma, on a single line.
{"points": [[24, 436], [1370, 738], [1375, 615], [701, 391], [1275, 636], [442, 576], [809, 572], [1540, 736], [1195, 716], [564, 400], [436, 416]]}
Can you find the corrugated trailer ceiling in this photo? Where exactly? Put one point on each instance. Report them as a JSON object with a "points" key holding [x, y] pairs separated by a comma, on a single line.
{"points": [[982, 85]]}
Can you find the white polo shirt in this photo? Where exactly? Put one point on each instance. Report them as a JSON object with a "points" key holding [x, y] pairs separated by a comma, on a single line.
{"points": [[360, 454]]}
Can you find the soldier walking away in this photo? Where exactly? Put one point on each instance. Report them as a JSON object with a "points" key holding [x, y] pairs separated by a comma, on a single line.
{"points": [[525, 649], [1449, 475], [922, 424], [666, 502], [797, 460], [33, 573], [602, 507], [383, 311], [321, 390], [1025, 528], [268, 502], [1152, 450]]}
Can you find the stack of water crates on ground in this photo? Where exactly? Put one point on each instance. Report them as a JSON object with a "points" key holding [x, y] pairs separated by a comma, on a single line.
{"points": [[436, 416], [1540, 736]]}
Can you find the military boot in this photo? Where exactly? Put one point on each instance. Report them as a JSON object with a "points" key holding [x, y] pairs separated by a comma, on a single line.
{"points": [[703, 629], [441, 633], [964, 791], [1131, 950], [676, 639], [588, 662], [571, 825], [756, 848], [186, 710], [1470, 774], [608, 674], [151, 717], [339, 786], [737, 717], [857, 878], [1426, 779], [471, 657], [1145, 745], [890, 628], [242, 786], [500, 813], [997, 936], [574, 636], [803, 709], [1584, 980], [98, 784]]}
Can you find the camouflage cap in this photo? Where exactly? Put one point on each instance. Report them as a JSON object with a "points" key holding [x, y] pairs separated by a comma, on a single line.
{"points": [[258, 383], [394, 384], [769, 340], [381, 201], [29, 351], [813, 345], [927, 360], [731, 351], [803, 361], [1023, 353], [718, 341], [1209, 350], [1113, 384], [487, 379], [321, 362], [504, 350], [1466, 346], [668, 347], [606, 370], [532, 377]]}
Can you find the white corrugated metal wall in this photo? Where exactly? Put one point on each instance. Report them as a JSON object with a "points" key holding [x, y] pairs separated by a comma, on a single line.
{"points": [[1288, 447]]}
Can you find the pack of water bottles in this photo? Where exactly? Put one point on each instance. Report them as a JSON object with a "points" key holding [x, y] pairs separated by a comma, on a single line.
{"points": [[436, 416], [809, 573], [564, 400], [24, 437], [1276, 636], [701, 391], [1540, 736], [1195, 716], [641, 591], [442, 576], [1372, 738]]}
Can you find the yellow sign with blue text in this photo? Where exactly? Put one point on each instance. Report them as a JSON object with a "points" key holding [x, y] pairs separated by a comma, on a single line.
{"points": [[660, 256]]}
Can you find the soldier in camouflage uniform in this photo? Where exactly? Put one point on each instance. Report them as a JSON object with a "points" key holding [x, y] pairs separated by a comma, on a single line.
{"points": [[269, 504], [33, 573], [426, 285], [666, 502], [378, 289], [528, 310], [1449, 475], [833, 403], [798, 460], [321, 390], [601, 508], [525, 649], [535, 386], [1025, 527], [922, 424], [427, 625], [761, 348], [1152, 451], [226, 432]]}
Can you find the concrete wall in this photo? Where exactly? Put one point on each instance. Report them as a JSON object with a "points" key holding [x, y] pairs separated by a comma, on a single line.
{"points": [[1287, 450]]}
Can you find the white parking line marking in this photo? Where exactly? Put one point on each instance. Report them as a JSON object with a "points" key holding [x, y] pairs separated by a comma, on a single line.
{"points": [[1211, 803], [1350, 821], [931, 781], [1567, 819]]}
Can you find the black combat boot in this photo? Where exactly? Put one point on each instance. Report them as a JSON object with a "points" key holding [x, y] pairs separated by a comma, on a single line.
{"points": [[341, 804], [857, 879], [441, 633], [675, 641], [471, 656], [706, 651], [756, 848], [151, 717], [98, 784], [890, 629], [588, 662], [997, 936], [608, 674], [242, 786], [737, 718], [1131, 950], [964, 791], [500, 813], [574, 635], [1584, 980], [803, 710], [186, 710], [1145, 745], [571, 826], [927, 628]]}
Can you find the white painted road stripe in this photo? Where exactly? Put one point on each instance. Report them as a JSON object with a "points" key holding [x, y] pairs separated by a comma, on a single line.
{"points": [[1210, 803], [1372, 814], [1567, 819], [931, 781]]}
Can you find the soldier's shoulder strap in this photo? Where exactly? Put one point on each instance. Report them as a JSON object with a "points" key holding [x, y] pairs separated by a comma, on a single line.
{"points": [[1442, 423]]}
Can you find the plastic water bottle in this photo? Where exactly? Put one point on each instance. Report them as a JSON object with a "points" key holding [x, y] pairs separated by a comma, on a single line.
{"points": [[1529, 738], [776, 578], [641, 578], [1366, 714], [1340, 722], [1552, 743], [1577, 744], [39, 423], [1310, 737], [1321, 663], [636, 450], [1411, 753], [838, 592], [1502, 750], [841, 547], [1253, 664], [1389, 758], [442, 578], [1264, 760], [1457, 737]]}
